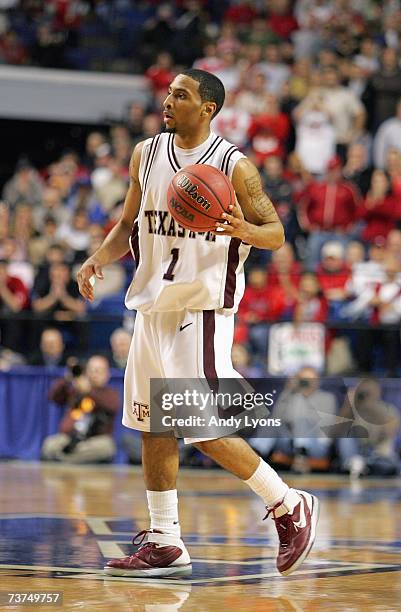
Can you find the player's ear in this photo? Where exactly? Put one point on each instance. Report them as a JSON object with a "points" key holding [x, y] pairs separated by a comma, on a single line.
{"points": [[208, 109]]}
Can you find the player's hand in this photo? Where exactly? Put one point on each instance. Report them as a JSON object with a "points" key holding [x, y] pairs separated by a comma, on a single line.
{"points": [[233, 223], [88, 269]]}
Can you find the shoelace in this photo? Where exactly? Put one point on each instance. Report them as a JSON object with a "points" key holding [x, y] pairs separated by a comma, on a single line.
{"points": [[284, 526]]}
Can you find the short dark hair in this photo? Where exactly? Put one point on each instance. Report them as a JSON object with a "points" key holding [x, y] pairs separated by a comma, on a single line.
{"points": [[211, 89]]}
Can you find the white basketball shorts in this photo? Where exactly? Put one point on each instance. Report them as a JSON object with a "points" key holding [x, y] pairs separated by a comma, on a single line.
{"points": [[182, 344]]}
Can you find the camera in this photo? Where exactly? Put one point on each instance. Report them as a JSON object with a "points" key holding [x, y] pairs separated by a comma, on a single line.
{"points": [[361, 396], [76, 369], [304, 383]]}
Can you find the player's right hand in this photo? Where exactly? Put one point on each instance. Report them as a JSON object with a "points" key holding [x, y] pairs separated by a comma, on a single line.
{"points": [[88, 269]]}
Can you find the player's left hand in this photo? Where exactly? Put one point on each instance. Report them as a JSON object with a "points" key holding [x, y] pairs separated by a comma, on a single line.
{"points": [[233, 223]]}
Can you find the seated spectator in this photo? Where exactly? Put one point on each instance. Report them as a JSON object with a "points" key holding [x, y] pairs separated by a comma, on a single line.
{"points": [[388, 136], [354, 253], [24, 186], [51, 353], [356, 169], [310, 304], [14, 298], [252, 93], [301, 407], [280, 18], [60, 298], [393, 168], [10, 359], [380, 304], [373, 453], [232, 122], [75, 235], [328, 211], [40, 245], [280, 192], [379, 209], [120, 342], [277, 73], [260, 305], [242, 362], [90, 409], [269, 131], [315, 134], [51, 204], [285, 272], [333, 274]]}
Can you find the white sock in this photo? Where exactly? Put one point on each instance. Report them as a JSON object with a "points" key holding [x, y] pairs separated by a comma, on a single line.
{"points": [[266, 483], [163, 509]]}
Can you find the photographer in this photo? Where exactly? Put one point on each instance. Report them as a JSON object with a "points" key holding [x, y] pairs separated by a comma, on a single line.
{"points": [[87, 426], [370, 445], [302, 408]]}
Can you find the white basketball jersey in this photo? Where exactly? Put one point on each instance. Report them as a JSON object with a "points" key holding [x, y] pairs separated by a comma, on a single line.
{"points": [[177, 268]]}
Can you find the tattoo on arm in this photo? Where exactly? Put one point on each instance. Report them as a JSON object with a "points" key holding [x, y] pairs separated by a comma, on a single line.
{"points": [[258, 199]]}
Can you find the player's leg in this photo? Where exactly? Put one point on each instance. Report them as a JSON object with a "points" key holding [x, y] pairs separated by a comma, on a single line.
{"points": [[295, 512], [161, 551]]}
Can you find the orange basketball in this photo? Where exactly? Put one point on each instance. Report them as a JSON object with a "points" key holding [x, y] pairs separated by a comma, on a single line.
{"points": [[197, 195]]}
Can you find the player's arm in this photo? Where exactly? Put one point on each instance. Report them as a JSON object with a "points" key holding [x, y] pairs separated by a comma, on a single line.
{"points": [[253, 218], [116, 244]]}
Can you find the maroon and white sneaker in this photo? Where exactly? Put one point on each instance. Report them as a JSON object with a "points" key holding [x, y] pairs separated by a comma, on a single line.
{"points": [[162, 554], [296, 518]]}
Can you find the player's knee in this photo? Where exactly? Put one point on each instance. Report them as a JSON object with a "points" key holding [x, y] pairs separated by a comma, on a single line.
{"points": [[205, 447]]}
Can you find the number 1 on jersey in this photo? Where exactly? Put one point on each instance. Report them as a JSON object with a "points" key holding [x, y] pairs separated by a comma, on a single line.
{"points": [[169, 274]]}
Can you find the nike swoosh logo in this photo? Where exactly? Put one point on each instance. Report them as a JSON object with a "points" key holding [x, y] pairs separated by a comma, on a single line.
{"points": [[184, 326], [301, 522]]}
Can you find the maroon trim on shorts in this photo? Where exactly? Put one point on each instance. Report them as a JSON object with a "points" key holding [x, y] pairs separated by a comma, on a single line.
{"points": [[231, 276], [209, 359], [135, 242]]}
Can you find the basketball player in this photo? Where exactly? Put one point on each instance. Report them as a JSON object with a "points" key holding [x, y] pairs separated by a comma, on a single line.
{"points": [[186, 290]]}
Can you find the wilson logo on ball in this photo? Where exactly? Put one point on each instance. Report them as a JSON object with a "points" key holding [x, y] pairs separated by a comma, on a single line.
{"points": [[191, 189], [181, 210]]}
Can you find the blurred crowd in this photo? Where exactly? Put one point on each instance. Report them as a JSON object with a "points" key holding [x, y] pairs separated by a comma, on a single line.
{"points": [[313, 98]]}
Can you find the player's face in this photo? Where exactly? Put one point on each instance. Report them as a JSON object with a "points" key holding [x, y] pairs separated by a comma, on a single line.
{"points": [[183, 105]]}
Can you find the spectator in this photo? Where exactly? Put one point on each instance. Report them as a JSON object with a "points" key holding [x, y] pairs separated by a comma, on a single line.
{"points": [[161, 73], [242, 362], [269, 131], [51, 204], [328, 211], [12, 51], [315, 134], [260, 305], [383, 89], [344, 107], [280, 18], [357, 169], [354, 253], [229, 72], [380, 208], [120, 342], [280, 192], [285, 272], [375, 452], [251, 97], [75, 235], [87, 425], [276, 72], [51, 353], [302, 407], [58, 300], [393, 243], [310, 304], [24, 186], [388, 136], [14, 298], [333, 274], [367, 58], [232, 122], [134, 121]]}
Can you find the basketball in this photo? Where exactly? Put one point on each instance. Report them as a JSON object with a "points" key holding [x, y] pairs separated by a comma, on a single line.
{"points": [[198, 195]]}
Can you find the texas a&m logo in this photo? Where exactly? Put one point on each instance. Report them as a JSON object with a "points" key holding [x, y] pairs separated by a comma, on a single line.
{"points": [[141, 411]]}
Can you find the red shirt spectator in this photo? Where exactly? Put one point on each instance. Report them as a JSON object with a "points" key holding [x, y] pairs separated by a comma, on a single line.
{"points": [[261, 302], [332, 203], [269, 131], [281, 21], [160, 74], [333, 273], [380, 209], [14, 296]]}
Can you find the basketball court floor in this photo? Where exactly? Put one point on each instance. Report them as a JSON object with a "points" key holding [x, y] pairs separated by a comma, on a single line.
{"points": [[59, 524]]}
